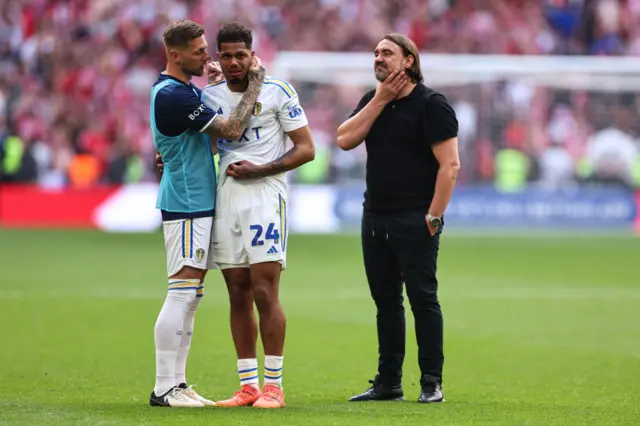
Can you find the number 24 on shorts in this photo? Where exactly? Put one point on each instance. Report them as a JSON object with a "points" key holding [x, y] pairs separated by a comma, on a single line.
{"points": [[272, 234]]}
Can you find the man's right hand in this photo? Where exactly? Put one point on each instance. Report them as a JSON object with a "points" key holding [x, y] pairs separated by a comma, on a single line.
{"points": [[256, 71], [387, 90]]}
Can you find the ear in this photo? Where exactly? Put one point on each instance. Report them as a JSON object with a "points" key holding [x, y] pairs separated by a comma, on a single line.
{"points": [[408, 61], [218, 56]]}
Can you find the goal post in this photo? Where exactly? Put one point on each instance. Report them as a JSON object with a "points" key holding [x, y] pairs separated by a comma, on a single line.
{"points": [[570, 72], [544, 141]]}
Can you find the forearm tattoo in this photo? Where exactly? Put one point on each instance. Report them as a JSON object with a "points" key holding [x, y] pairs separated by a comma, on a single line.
{"points": [[232, 127], [283, 164]]}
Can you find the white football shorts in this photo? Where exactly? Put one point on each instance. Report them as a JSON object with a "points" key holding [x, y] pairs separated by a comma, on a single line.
{"points": [[250, 224], [187, 243]]}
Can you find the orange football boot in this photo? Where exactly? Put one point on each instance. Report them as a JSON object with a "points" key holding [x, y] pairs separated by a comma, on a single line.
{"points": [[245, 397], [272, 397]]}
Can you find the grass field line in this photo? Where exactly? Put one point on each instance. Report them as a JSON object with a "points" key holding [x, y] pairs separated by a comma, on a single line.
{"points": [[505, 232], [453, 292], [608, 293]]}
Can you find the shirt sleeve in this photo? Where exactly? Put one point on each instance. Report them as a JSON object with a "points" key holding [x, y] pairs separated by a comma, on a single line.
{"points": [[180, 108], [363, 102], [291, 114], [441, 121], [208, 99]]}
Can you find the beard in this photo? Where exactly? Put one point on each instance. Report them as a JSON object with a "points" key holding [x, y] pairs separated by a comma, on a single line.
{"points": [[195, 72], [381, 75], [242, 78]]}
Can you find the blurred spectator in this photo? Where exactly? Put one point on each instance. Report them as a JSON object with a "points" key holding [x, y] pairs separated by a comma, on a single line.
{"points": [[75, 78], [557, 167], [84, 170], [612, 156]]}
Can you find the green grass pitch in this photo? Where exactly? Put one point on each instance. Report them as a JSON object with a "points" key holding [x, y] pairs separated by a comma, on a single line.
{"points": [[538, 331]]}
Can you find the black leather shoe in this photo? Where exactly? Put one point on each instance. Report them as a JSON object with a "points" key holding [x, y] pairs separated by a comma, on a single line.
{"points": [[380, 392], [431, 390]]}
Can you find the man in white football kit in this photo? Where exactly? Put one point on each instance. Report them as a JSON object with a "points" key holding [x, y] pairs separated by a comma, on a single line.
{"points": [[250, 229], [250, 225]]}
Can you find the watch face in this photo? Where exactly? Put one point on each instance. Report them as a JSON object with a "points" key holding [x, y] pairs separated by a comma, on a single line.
{"points": [[436, 221]]}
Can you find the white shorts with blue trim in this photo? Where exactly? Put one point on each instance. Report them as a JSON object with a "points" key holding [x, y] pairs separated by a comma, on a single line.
{"points": [[250, 224], [187, 243]]}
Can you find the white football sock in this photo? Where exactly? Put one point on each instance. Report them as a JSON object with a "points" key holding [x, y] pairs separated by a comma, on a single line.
{"points": [[248, 372], [168, 331], [273, 370], [187, 335]]}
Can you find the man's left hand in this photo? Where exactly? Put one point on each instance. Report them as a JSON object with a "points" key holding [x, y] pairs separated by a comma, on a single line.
{"points": [[244, 170]]}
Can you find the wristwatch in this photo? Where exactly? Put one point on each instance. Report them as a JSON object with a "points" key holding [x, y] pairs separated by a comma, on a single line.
{"points": [[434, 220]]}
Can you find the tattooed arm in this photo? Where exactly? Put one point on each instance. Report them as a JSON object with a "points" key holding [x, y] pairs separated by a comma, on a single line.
{"points": [[232, 127], [302, 152]]}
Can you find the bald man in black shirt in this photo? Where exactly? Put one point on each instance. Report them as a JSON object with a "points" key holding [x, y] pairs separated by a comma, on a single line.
{"points": [[410, 132]]}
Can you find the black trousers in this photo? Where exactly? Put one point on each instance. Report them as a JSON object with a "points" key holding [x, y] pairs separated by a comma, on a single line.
{"points": [[399, 249]]}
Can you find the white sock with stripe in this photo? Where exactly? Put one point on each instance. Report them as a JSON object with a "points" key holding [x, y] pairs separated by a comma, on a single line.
{"points": [[273, 370], [187, 335], [168, 331], [248, 372]]}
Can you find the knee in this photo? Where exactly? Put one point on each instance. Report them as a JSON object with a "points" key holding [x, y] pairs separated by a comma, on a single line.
{"points": [[240, 298], [425, 301], [189, 273], [389, 303], [183, 298], [181, 302], [264, 295]]}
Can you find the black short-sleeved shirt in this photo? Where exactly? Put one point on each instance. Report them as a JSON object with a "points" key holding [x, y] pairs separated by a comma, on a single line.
{"points": [[401, 168]]}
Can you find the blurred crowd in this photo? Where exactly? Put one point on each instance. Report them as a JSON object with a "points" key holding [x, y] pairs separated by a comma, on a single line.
{"points": [[75, 78]]}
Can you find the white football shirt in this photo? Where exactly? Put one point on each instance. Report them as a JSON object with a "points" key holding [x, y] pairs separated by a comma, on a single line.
{"points": [[276, 112]]}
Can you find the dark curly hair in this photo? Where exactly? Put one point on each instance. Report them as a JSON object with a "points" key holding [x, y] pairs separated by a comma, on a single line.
{"points": [[234, 32]]}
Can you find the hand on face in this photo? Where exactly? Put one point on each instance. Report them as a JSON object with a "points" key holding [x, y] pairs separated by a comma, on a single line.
{"points": [[387, 90]]}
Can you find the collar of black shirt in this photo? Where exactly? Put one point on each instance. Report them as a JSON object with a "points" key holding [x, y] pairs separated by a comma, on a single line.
{"points": [[414, 94]]}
